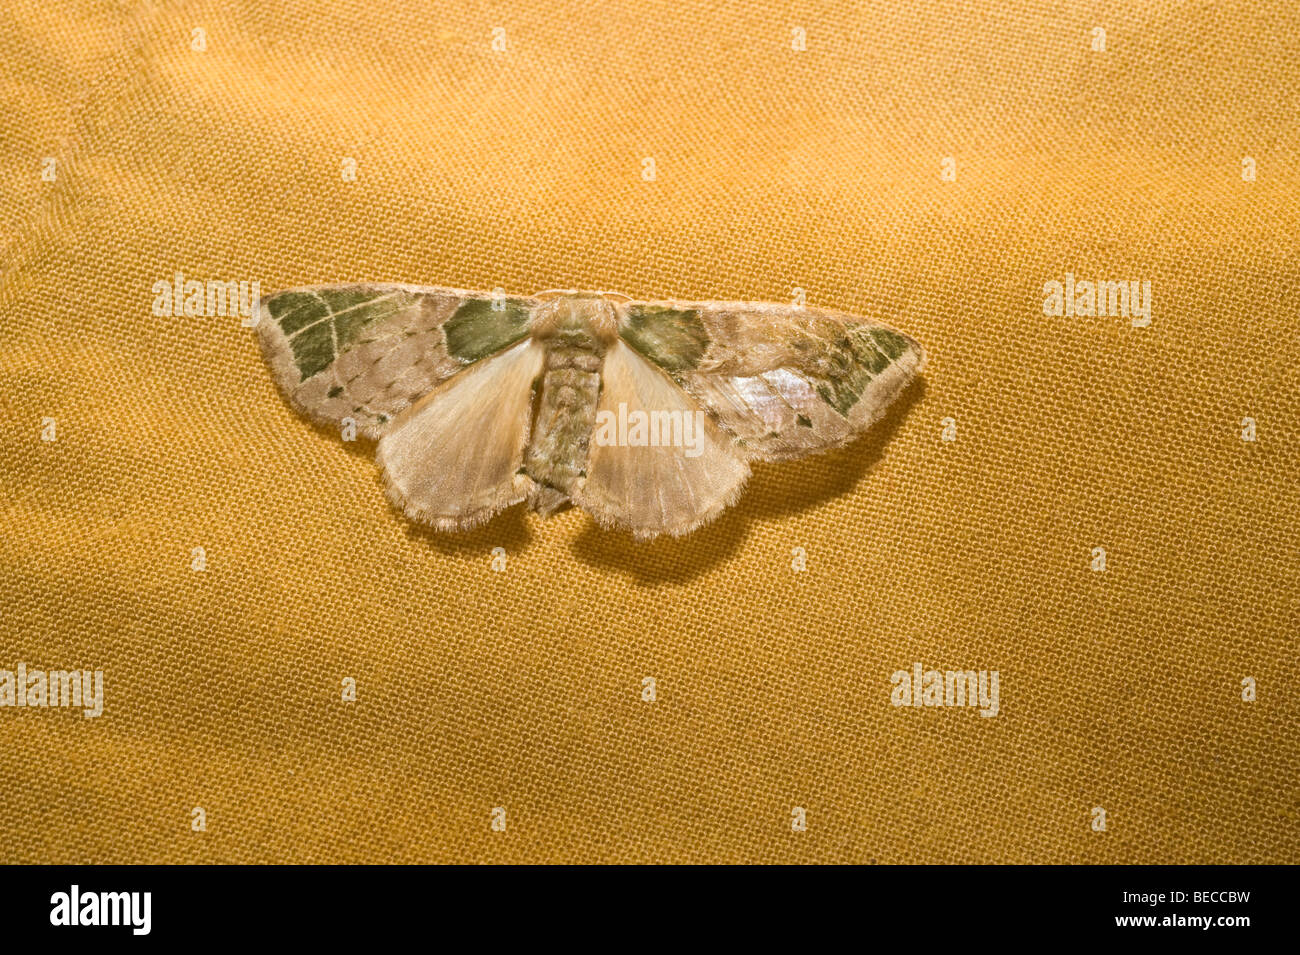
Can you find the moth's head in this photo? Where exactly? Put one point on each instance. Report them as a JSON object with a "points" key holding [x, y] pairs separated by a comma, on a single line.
{"points": [[570, 312]]}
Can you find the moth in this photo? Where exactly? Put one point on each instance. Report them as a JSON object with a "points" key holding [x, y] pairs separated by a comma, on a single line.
{"points": [[645, 414]]}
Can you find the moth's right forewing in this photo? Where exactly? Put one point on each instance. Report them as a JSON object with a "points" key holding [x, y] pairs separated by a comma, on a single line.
{"points": [[366, 352], [784, 381]]}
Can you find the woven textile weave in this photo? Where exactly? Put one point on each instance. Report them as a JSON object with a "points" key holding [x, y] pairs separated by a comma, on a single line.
{"points": [[935, 163]]}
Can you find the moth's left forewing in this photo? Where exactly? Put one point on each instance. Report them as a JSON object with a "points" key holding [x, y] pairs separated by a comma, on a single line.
{"points": [[784, 381], [364, 353]]}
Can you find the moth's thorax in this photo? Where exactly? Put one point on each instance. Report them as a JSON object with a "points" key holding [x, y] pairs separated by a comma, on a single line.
{"points": [[581, 319]]}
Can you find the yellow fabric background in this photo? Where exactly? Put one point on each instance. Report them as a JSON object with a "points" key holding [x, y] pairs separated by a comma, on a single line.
{"points": [[775, 169]]}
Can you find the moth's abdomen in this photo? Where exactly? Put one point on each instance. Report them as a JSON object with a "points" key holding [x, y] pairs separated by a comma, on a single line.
{"points": [[563, 423], [575, 330]]}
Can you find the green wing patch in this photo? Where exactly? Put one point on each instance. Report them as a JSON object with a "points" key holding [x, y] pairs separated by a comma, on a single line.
{"points": [[674, 339], [322, 323], [848, 363], [484, 326]]}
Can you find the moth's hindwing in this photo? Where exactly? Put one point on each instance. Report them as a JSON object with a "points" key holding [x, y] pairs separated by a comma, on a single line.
{"points": [[661, 487], [455, 457], [366, 352], [784, 381]]}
